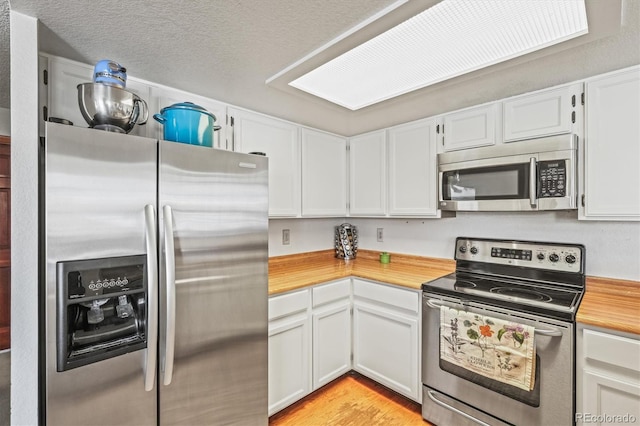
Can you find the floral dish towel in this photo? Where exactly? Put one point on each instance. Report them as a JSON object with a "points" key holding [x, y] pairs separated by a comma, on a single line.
{"points": [[500, 350]]}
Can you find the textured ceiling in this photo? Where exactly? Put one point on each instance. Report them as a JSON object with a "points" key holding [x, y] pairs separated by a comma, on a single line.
{"points": [[227, 49], [222, 49]]}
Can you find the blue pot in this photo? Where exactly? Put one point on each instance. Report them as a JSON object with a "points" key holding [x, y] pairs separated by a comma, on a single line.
{"points": [[186, 122]]}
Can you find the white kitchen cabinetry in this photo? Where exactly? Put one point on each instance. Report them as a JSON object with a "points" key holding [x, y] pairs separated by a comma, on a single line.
{"points": [[289, 349], [611, 147], [63, 77], [324, 174], [331, 331], [608, 377], [413, 172], [368, 174], [280, 141], [162, 97], [543, 113], [386, 347], [472, 127]]}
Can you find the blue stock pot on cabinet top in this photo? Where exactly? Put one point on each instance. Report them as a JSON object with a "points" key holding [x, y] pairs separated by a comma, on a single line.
{"points": [[187, 122]]}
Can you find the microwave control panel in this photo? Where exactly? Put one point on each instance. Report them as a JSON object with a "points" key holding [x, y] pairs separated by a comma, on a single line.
{"points": [[552, 179]]}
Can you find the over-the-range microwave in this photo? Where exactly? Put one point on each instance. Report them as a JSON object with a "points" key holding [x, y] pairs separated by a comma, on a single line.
{"points": [[531, 175]]}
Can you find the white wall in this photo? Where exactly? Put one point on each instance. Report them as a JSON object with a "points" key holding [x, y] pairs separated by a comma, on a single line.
{"points": [[612, 248], [304, 235], [24, 220], [5, 122]]}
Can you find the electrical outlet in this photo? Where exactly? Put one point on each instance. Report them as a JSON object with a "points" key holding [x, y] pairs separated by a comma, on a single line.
{"points": [[285, 237], [379, 234]]}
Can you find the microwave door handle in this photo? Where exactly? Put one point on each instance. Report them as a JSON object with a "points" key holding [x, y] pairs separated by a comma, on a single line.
{"points": [[533, 177]]}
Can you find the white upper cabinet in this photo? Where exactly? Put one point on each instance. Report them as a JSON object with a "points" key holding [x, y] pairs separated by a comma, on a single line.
{"points": [[413, 177], [63, 79], [279, 140], [324, 174], [368, 174], [471, 127], [612, 147], [162, 97], [543, 113]]}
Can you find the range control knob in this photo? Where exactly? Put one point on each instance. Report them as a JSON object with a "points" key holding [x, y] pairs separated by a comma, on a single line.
{"points": [[540, 256], [554, 257], [570, 258], [462, 249], [474, 250]]}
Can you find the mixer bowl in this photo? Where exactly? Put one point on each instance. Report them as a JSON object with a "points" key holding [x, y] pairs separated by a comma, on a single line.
{"points": [[111, 108]]}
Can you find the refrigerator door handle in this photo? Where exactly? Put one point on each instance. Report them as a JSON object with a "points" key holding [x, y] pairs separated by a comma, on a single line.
{"points": [[170, 275], [151, 352]]}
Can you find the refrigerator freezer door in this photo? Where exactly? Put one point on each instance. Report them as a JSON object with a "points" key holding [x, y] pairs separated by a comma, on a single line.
{"points": [[218, 202], [96, 187]]}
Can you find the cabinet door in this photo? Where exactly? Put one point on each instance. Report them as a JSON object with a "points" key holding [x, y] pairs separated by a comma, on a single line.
{"points": [[289, 361], [608, 396], [608, 376], [324, 174], [163, 97], [611, 153], [64, 77], [279, 140], [550, 112], [331, 342], [367, 174], [471, 127], [385, 348], [413, 172]]}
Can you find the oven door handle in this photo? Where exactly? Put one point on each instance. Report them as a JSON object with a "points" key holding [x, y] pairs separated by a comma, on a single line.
{"points": [[432, 397], [436, 304], [551, 333]]}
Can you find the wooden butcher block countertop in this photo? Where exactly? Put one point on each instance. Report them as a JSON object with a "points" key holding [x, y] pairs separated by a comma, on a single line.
{"points": [[296, 271], [607, 303], [611, 303]]}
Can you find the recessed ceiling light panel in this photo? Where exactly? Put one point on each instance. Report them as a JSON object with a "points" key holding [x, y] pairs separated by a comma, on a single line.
{"points": [[452, 38]]}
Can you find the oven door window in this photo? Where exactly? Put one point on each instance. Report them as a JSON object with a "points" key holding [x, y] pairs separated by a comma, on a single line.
{"points": [[505, 182], [531, 398]]}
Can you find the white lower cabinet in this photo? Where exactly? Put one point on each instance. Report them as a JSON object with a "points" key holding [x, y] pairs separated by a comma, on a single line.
{"points": [[386, 344], [331, 331], [289, 349], [608, 377], [320, 333]]}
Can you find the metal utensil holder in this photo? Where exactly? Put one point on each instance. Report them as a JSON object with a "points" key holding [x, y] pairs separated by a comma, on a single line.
{"points": [[346, 241]]}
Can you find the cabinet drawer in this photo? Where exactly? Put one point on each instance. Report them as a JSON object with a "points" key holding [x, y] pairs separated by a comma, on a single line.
{"points": [[330, 292], [404, 299], [611, 349], [286, 304]]}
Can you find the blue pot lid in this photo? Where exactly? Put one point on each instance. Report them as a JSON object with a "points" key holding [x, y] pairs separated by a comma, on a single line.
{"points": [[190, 106]]}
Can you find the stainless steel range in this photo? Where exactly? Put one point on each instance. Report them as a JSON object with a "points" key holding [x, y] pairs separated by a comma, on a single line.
{"points": [[498, 334]]}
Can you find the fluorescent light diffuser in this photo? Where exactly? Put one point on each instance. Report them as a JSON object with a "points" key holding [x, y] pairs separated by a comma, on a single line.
{"points": [[452, 38]]}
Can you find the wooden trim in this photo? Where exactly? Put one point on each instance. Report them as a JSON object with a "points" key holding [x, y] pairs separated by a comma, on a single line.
{"points": [[5, 248]]}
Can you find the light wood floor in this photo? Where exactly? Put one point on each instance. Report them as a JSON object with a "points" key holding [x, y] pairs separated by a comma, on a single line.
{"points": [[351, 400]]}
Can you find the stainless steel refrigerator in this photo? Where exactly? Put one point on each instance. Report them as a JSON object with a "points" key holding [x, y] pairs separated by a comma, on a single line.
{"points": [[154, 282]]}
